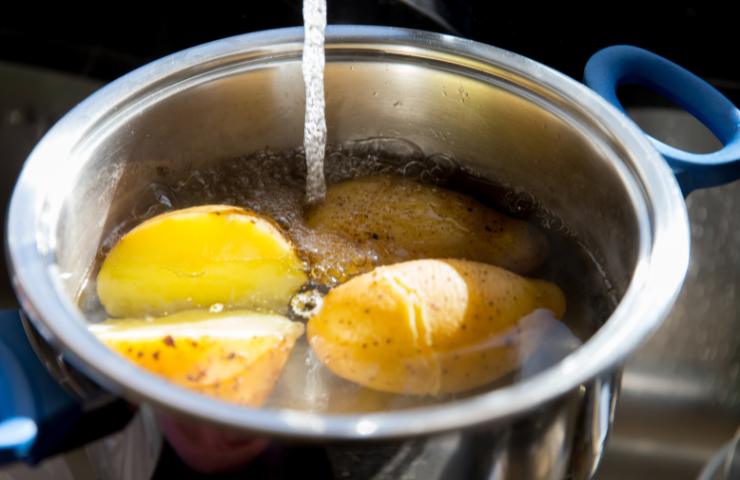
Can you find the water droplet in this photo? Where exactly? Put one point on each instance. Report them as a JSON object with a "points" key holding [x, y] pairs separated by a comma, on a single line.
{"points": [[216, 308]]}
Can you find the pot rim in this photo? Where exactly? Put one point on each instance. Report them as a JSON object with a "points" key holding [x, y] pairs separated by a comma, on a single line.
{"points": [[661, 265]]}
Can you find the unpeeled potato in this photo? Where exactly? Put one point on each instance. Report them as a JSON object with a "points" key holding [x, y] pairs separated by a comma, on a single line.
{"points": [[400, 219], [236, 356], [430, 326], [198, 257]]}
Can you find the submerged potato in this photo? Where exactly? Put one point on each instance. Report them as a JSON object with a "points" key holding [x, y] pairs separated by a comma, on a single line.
{"points": [[430, 326], [236, 356], [198, 257], [402, 219]]}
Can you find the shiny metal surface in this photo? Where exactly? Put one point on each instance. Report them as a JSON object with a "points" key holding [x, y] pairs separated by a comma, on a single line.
{"points": [[725, 464], [680, 397], [30, 102], [87, 393], [500, 114], [537, 446]]}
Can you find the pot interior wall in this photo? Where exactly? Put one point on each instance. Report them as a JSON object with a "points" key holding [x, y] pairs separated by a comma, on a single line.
{"points": [[503, 127]]}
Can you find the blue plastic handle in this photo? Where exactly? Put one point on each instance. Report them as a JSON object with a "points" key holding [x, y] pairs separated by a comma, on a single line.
{"points": [[36, 413], [619, 65], [17, 410]]}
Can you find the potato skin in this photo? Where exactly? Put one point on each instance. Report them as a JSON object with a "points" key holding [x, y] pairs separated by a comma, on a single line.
{"points": [[198, 257], [430, 327], [236, 356], [400, 219]]}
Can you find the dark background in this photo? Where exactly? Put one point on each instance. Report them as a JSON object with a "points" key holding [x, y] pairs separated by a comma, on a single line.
{"points": [[114, 38]]}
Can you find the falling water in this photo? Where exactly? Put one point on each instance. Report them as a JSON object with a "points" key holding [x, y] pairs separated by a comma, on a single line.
{"points": [[314, 130]]}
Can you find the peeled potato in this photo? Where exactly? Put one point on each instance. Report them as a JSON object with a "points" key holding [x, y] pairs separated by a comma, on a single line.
{"points": [[430, 326], [236, 356], [400, 219], [198, 257]]}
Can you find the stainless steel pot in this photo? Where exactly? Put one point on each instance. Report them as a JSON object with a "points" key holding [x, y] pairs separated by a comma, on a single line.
{"points": [[505, 116]]}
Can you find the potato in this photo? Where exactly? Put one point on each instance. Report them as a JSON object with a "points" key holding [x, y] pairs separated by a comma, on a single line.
{"points": [[430, 326], [198, 257], [236, 355], [401, 219]]}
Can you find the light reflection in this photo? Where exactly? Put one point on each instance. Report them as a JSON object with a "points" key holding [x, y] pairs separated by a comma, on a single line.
{"points": [[303, 421], [366, 427], [17, 432], [554, 342]]}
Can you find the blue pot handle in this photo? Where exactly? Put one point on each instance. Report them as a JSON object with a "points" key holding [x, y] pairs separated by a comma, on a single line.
{"points": [[38, 417], [618, 65], [33, 406], [34, 409], [18, 428]]}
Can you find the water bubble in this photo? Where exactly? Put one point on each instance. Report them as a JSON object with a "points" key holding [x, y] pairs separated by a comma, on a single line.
{"points": [[306, 304], [283, 221], [216, 308], [413, 169]]}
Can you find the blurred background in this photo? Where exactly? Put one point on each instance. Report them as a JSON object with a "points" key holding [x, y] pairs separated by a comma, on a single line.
{"points": [[106, 43], [681, 393]]}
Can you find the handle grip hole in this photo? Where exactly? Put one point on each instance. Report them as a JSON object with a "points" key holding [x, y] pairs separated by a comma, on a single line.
{"points": [[665, 120]]}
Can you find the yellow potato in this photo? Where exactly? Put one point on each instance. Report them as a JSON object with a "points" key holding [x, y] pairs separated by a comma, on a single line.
{"points": [[236, 356], [401, 219], [430, 326], [198, 257]]}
